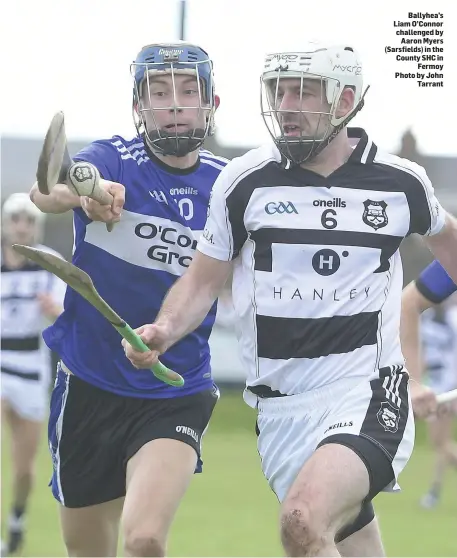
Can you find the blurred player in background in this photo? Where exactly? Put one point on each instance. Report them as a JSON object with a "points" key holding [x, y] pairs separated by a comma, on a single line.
{"points": [[311, 224], [31, 299], [115, 431], [431, 293]]}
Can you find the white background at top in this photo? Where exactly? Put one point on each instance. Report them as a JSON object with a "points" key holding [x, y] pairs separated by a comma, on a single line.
{"points": [[74, 55]]}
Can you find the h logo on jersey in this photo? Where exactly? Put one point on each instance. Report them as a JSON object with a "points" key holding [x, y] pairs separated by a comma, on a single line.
{"points": [[326, 262], [375, 214], [388, 417], [280, 207]]}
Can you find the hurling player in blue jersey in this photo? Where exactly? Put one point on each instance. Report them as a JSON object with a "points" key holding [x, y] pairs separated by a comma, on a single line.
{"points": [[114, 431], [431, 287]]}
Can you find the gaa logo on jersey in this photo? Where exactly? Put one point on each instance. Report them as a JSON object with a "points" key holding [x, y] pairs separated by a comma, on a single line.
{"points": [[280, 207], [388, 417], [375, 214]]}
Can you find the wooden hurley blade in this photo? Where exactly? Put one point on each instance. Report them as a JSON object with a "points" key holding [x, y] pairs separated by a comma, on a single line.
{"points": [[76, 278], [54, 160], [80, 281]]}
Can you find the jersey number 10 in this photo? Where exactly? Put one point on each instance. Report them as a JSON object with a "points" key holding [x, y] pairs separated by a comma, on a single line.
{"points": [[186, 208]]}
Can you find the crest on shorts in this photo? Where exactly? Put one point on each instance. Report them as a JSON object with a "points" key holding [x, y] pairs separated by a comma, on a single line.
{"points": [[388, 417], [374, 214]]}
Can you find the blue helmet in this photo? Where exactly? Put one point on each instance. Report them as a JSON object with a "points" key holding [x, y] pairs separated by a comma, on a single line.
{"points": [[173, 59]]}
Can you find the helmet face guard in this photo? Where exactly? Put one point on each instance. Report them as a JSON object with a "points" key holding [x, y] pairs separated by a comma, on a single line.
{"points": [[310, 128], [301, 133], [169, 61]]}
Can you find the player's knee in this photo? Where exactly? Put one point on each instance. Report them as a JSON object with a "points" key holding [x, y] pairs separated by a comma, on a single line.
{"points": [[143, 542], [76, 543], [302, 532]]}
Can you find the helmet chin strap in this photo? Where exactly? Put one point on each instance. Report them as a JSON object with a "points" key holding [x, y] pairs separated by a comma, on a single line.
{"points": [[176, 145], [163, 143], [306, 153]]}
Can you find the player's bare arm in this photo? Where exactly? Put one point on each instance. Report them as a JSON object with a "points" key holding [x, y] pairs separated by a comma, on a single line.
{"points": [[413, 304], [444, 246], [61, 200], [184, 308]]}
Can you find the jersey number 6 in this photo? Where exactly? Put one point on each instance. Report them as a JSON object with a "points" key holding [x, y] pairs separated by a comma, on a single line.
{"points": [[328, 222]]}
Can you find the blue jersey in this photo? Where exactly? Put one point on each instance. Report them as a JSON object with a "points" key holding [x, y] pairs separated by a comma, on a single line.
{"points": [[435, 284], [134, 266]]}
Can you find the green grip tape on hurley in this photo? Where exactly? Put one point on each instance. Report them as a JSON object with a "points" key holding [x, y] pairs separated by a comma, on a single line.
{"points": [[159, 370]]}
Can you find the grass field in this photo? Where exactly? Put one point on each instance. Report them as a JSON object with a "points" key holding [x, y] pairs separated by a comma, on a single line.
{"points": [[230, 511]]}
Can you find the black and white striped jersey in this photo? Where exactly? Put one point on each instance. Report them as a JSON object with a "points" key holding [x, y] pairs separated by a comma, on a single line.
{"points": [[318, 275], [23, 352]]}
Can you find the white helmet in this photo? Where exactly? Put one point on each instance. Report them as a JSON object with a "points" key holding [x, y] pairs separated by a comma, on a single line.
{"points": [[337, 67], [21, 203]]}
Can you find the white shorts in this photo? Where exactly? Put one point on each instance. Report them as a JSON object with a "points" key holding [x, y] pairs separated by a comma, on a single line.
{"points": [[376, 408], [28, 398]]}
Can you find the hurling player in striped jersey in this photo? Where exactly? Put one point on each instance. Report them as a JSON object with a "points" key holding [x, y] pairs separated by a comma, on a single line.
{"points": [[432, 290], [32, 298], [311, 224], [433, 286]]}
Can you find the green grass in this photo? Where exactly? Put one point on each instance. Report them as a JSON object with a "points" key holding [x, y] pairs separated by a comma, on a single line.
{"points": [[230, 511]]}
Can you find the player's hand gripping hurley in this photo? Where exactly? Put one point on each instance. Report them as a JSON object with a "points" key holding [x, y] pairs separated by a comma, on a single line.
{"points": [[80, 281], [55, 166]]}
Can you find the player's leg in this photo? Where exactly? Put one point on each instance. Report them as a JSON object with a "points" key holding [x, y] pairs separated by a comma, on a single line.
{"points": [[366, 438], [24, 414], [165, 453], [25, 436], [440, 437], [288, 431], [86, 433], [451, 445], [364, 536], [311, 515], [157, 478], [91, 530]]}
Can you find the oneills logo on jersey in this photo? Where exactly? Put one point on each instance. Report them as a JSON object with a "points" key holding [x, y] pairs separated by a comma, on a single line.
{"points": [[187, 191], [187, 430], [374, 214], [339, 425], [335, 202]]}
